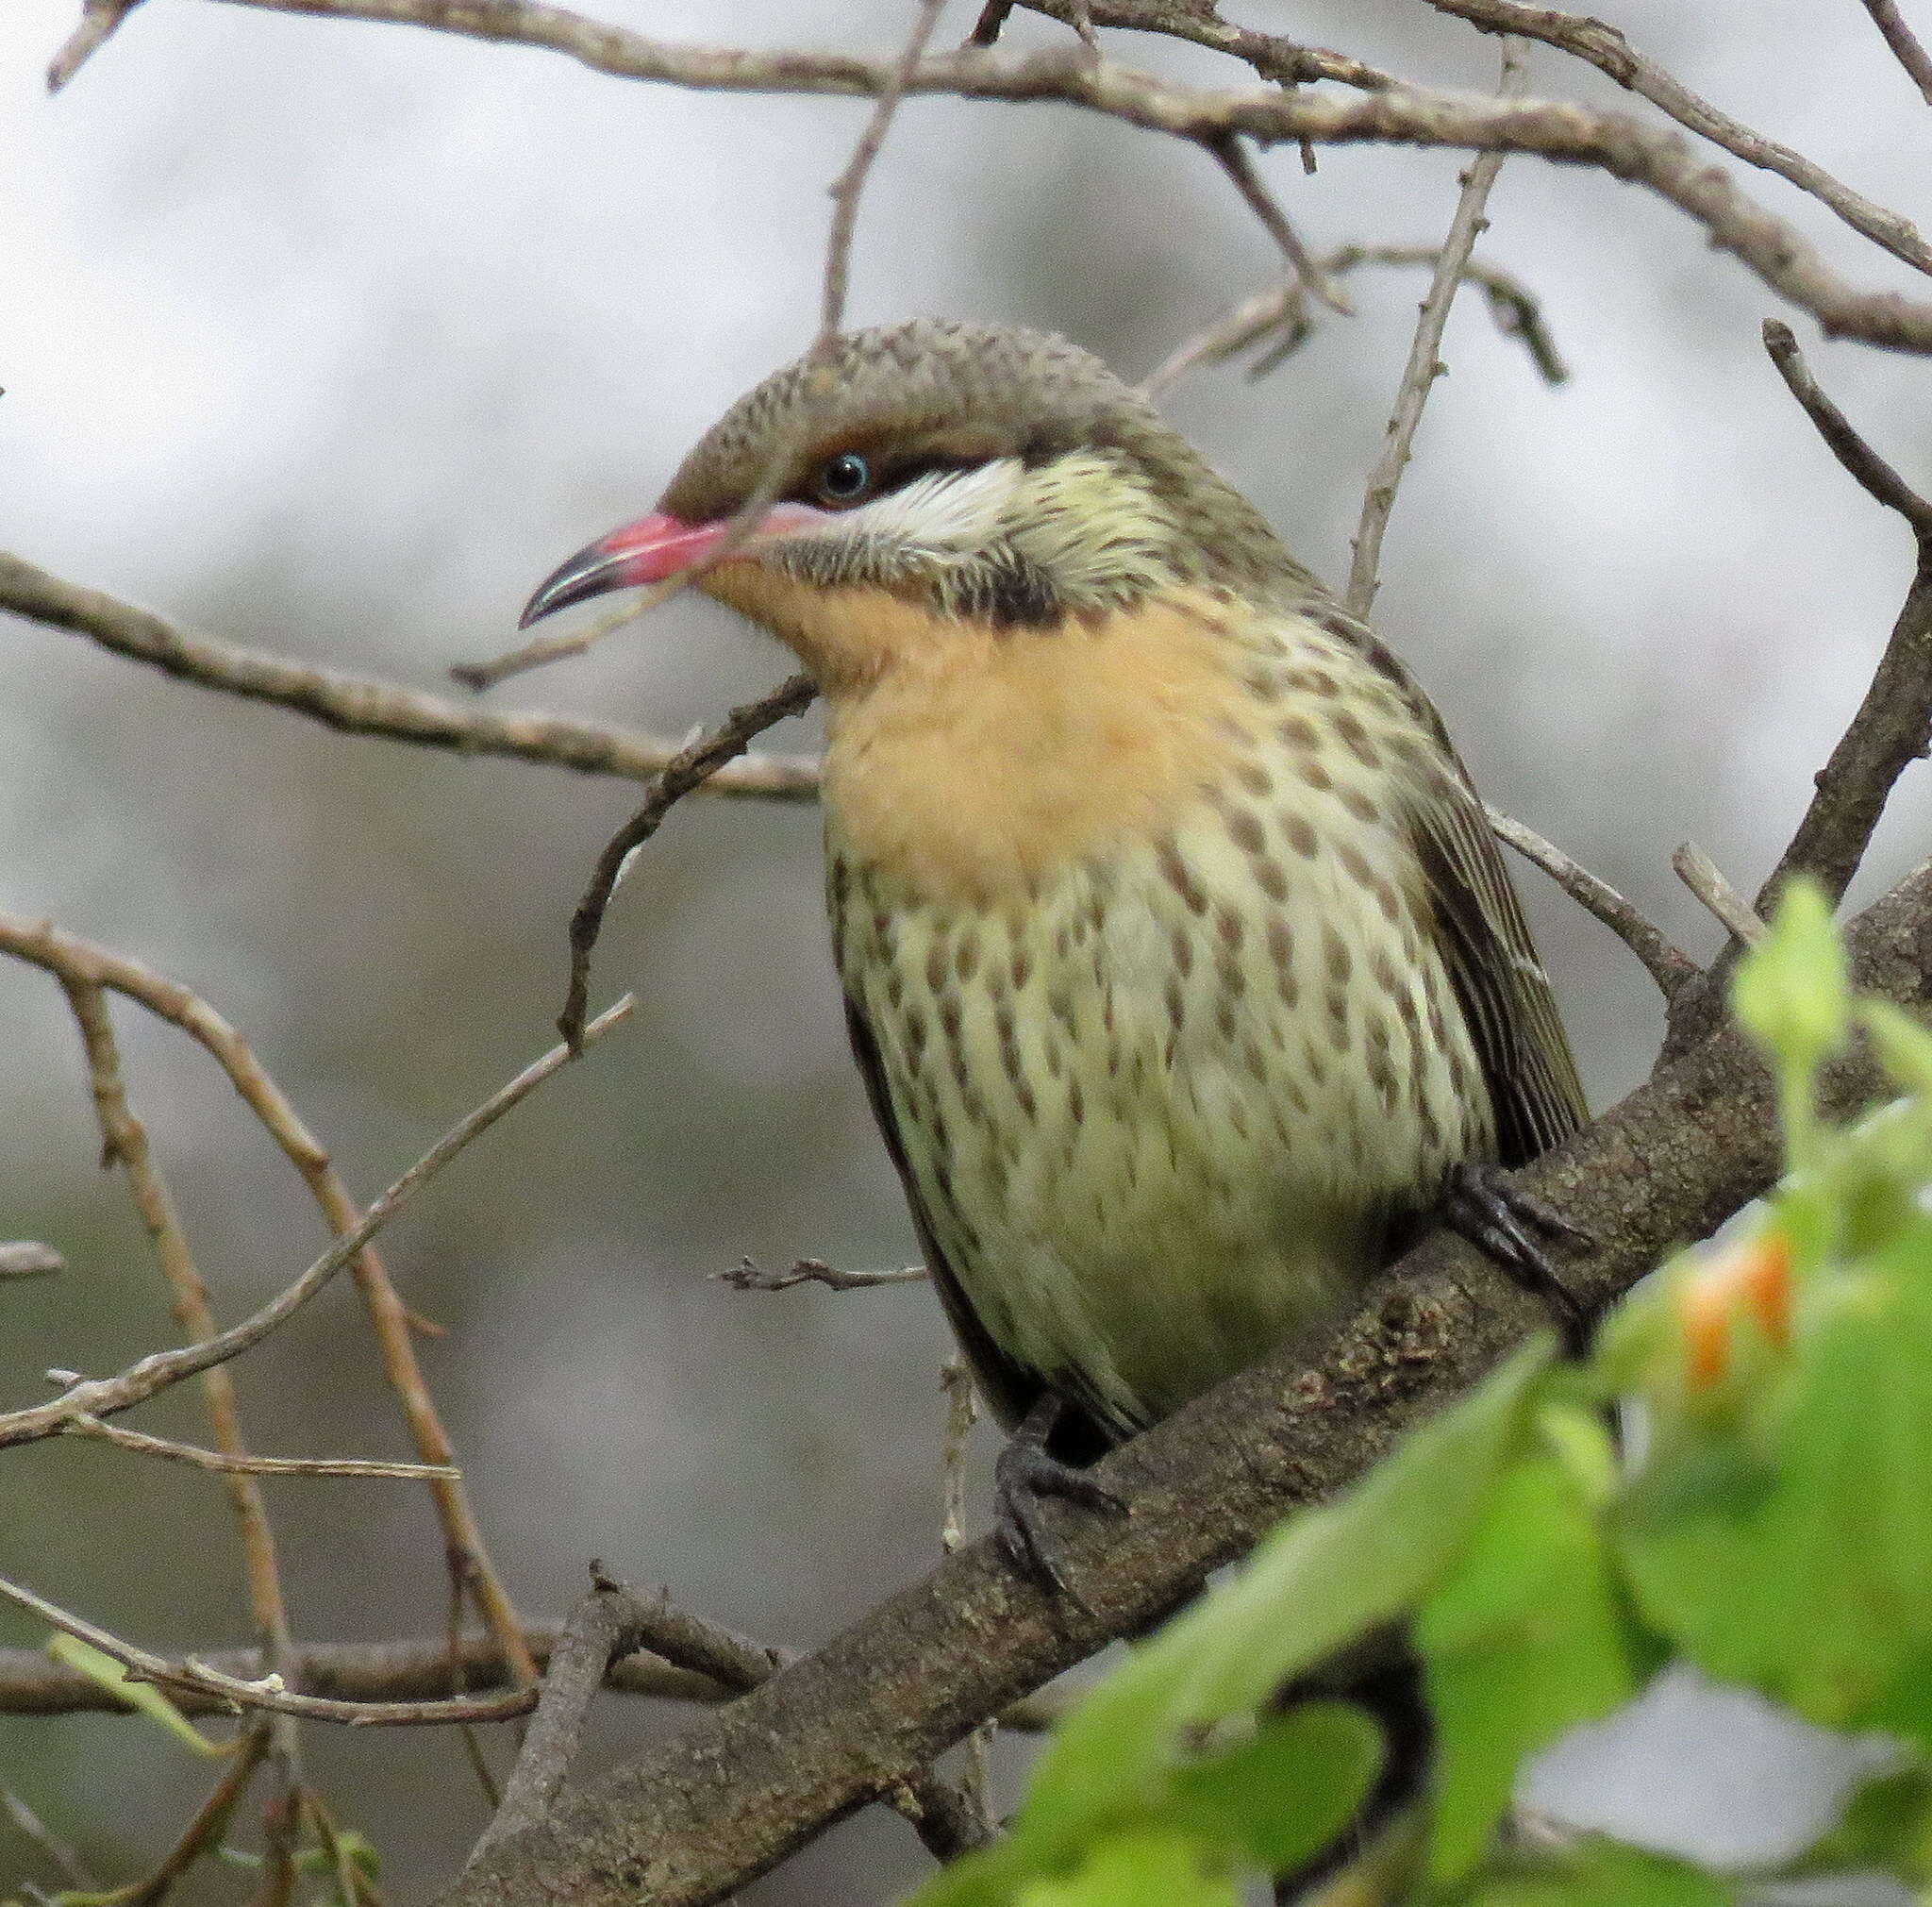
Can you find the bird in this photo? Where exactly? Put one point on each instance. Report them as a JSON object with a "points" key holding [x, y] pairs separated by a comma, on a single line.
{"points": [[1177, 953]]}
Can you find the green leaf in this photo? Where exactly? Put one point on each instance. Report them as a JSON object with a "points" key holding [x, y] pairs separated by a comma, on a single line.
{"points": [[1324, 1577], [1521, 1641], [1149, 1868], [1602, 1874], [1288, 1790], [1791, 994], [142, 1697], [1805, 1569]]}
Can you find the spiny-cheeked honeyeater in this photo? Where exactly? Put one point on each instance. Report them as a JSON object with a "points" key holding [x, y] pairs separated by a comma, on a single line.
{"points": [[1179, 958]]}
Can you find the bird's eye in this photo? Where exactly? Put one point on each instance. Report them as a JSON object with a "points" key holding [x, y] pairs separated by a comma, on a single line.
{"points": [[845, 479]]}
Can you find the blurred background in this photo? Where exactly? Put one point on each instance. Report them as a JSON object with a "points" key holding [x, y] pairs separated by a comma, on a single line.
{"points": [[333, 338]]}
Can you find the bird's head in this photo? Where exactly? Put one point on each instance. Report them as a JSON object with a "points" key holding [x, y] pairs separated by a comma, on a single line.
{"points": [[930, 476]]}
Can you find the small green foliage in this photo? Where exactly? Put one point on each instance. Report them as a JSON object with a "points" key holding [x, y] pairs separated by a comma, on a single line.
{"points": [[142, 1697], [1776, 1532]]}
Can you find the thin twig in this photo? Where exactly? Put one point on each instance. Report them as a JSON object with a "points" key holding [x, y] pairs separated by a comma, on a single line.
{"points": [[1904, 44], [124, 1143], [849, 187], [221, 1462], [1233, 159], [1707, 881], [77, 963], [1424, 363], [1870, 471], [1889, 729], [208, 1824], [542, 649], [963, 1412], [686, 770], [107, 1397], [745, 1276], [58, 1853], [360, 705], [266, 1693], [412, 1669], [1664, 963], [28, 1258], [1618, 143], [601, 1628], [1283, 308], [455, 1607], [98, 21]]}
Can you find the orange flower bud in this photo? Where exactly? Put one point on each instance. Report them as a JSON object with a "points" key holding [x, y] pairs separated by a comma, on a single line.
{"points": [[1753, 1276]]}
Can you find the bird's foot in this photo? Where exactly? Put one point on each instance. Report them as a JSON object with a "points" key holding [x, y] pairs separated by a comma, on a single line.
{"points": [[1502, 1222], [1025, 1474]]}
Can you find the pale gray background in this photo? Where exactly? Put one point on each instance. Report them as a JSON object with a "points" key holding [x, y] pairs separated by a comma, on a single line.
{"points": [[335, 338]]}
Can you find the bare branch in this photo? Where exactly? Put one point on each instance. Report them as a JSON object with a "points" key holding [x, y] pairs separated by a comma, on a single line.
{"points": [[746, 1784], [1866, 467], [1282, 309], [81, 1425], [1275, 57], [689, 769], [963, 1412], [1905, 45], [107, 1397], [267, 1695], [1668, 968], [99, 19], [81, 965], [849, 187], [745, 1276], [542, 649], [416, 1668], [124, 1143], [71, 1865], [601, 1628], [1707, 881], [1605, 48], [1232, 157], [1424, 363], [1890, 728], [358, 705], [1624, 146], [207, 1825]]}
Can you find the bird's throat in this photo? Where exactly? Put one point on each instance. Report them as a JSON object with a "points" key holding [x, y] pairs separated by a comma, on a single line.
{"points": [[978, 761]]}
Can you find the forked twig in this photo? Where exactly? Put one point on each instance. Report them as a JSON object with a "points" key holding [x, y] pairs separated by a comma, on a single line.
{"points": [[686, 771], [1664, 963], [745, 1276], [1419, 375], [156, 1372], [1283, 308], [1889, 729], [1233, 159]]}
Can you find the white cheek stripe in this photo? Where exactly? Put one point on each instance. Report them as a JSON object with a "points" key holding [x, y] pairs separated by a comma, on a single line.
{"points": [[945, 513]]}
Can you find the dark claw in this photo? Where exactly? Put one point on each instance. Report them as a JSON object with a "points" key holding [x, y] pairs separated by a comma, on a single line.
{"points": [[1024, 1475], [1498, 1219]]}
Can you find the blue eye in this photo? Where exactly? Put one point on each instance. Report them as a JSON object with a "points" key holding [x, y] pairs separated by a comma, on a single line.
{"points": [[845, 479]]}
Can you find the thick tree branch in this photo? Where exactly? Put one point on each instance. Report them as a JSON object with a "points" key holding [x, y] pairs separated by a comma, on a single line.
{"points": [[749, 1783], [1604, 47], [360, 705], [1568, 134]]}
